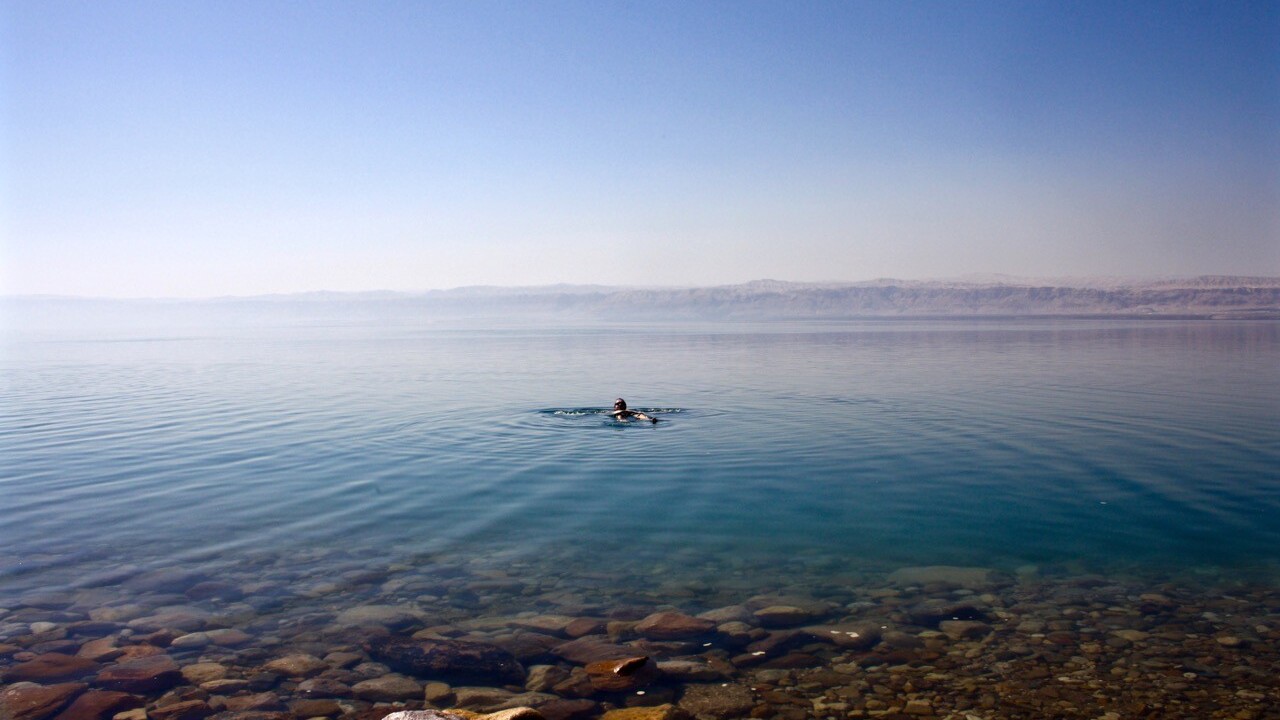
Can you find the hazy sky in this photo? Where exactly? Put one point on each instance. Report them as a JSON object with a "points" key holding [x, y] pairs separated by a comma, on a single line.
{"points": [[208, 148]]}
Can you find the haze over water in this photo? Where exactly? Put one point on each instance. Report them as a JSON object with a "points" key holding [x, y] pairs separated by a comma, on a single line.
{"points": [[1098, 444]]}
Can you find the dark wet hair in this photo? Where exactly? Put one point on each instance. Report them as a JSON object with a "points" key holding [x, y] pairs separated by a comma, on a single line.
{"points": [[621, 402]]}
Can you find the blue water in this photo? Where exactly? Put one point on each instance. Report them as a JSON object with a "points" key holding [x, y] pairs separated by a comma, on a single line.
{"points": [[998, 443]]}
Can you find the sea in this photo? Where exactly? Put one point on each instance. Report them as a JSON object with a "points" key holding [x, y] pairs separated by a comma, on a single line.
{"points": [[999, 443], [789, 456]]}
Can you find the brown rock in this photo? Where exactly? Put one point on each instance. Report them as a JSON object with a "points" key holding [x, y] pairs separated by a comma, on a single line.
{"points": [[918, 707], [674, 626], [775, 616], [100, 650], [591, 648], [227, 686], [450, 660], [584, 626], [526, 645], [266, 701], [296, 666], [28, 701], [483, 698], [198, 673], [147, 674], [729, 613], [621, 675], [99, 705], [51, 666], [188, 710], [133, 652], [547, 624]]}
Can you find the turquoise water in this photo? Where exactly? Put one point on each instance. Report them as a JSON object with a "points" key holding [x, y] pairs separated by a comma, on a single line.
{"points": [[1099, 444]]}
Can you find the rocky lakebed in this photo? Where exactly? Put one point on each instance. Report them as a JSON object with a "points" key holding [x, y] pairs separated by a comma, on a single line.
{"points": [[346, 635]]}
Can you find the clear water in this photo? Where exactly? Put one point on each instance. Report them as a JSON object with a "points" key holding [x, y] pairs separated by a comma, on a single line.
{"points": [[1105, 444]]}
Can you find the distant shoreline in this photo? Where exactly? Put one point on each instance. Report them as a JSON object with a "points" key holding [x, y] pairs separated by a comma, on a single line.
{"points": [[1199, 298]]}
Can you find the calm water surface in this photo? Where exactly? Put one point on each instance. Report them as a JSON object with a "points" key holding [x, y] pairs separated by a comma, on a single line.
{"points": [[1099, 443]]}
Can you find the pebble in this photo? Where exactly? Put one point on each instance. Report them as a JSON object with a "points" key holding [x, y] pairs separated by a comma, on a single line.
{"points": [[717, 701], [942, 643]]}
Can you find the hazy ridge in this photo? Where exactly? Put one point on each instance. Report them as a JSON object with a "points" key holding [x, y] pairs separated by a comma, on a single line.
{"points": [[1210, 296]]}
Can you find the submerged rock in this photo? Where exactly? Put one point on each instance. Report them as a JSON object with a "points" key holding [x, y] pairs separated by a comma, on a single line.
{"points": [[185, 710], [674, 626], [389, 688], [99, 705], [621, 675], [854, 636], [100, 650], [147, 674], [51, 666], [29, 701], [591, 648], [297, 666], [197, 673], [392, 617], [777, 616], [450, 660]]}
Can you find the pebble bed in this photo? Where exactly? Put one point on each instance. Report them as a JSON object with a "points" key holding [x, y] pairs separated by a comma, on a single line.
{"points": [[345, 634]]}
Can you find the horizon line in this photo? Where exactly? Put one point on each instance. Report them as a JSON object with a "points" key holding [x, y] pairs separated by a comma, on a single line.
{"points": [[994, 279]]}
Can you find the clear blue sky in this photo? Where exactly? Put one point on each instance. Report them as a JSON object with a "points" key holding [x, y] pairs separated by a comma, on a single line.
{"points": [[208, 148]]}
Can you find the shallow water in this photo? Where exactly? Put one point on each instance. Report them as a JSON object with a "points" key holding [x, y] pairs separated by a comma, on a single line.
{"points": [[993, 443]]}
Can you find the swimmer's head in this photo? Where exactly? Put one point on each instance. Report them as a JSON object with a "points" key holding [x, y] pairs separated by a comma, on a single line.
{"points": [[619, 404]]}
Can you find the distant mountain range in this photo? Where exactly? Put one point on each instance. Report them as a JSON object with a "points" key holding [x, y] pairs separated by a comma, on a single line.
{"points": [[1210, 296]]}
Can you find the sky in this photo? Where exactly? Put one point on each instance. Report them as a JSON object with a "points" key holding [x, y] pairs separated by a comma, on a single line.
{"points": [[195, 149]]}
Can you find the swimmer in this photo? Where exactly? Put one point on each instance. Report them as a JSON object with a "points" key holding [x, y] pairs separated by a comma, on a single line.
{"points": [[621, 412]]}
